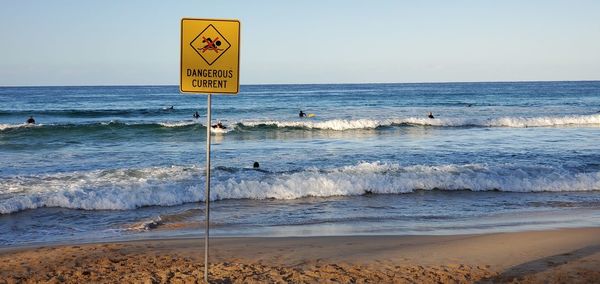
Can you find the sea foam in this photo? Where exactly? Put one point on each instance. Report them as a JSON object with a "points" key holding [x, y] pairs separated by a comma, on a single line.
{"points": [[348, 124], [101, 189], [7, 126], [178, 123], [165, 186]]}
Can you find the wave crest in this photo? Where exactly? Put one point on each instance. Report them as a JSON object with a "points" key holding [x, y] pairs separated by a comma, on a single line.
{"points": [[132, 188], [178, 123], [349, 124], [340, 124], [6, 126]]}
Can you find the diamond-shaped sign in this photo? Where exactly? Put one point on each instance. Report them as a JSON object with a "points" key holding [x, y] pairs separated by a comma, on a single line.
{"points": [[210, 44]]}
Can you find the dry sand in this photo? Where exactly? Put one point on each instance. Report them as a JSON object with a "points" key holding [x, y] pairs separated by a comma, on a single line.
{"points": [[556, 256]]}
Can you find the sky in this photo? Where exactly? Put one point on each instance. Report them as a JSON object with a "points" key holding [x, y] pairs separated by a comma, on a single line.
{"points": [[114, 42]]}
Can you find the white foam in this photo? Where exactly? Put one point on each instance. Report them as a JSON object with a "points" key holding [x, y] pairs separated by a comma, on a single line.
{"points": [[546, 121], [517, 122], [6, 126], [106, 189], [129, 189], [366, 123], [177, 123], [221, 130], [335, 124], [146, 225], [389, 179]]}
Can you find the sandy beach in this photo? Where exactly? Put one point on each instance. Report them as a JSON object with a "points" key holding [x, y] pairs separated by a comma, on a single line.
{"points": [[554, 256]]}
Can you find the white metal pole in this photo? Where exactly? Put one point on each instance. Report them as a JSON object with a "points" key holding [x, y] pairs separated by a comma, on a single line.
{"points": [[207, 191]]}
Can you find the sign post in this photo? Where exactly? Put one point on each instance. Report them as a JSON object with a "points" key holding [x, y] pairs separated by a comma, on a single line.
{"points": [[210, 53], [207, 189]]}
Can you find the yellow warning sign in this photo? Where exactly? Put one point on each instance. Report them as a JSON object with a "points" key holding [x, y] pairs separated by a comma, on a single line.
{"points": [[210, 53]]}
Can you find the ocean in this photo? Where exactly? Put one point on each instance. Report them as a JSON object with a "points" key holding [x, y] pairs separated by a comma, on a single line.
{"points": [[116, 162]]}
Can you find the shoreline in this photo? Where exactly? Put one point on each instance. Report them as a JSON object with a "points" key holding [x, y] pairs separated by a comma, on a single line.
{"points": [[555, 256]]}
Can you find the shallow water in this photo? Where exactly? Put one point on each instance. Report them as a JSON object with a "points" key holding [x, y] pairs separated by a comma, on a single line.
{"points": [[115, 162]]}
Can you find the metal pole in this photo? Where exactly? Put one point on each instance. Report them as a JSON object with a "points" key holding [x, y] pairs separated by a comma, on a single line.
{"points": [[207, 191]]}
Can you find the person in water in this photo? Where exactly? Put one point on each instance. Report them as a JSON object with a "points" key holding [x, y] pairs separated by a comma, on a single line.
{"points": [[256, 165], [430, 115], [196, 115], [30, 120], [219, 125], [302, 114]]}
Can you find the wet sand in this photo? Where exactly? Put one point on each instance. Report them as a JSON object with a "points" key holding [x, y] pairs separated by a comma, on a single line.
{"points": [[553, 256]]}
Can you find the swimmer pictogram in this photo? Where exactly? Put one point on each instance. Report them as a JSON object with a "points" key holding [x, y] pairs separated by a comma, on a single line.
{"points": [[210, 44]]}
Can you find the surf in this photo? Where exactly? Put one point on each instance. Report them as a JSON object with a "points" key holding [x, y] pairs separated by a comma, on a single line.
{"points": [[126, 189], [325, 124], [367, 123]]}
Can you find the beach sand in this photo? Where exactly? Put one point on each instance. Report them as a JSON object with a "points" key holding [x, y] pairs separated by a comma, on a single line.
{"points": [[553, 256]]}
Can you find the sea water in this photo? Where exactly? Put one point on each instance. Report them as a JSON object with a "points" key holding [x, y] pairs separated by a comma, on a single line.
{"points": [[117, 162]]}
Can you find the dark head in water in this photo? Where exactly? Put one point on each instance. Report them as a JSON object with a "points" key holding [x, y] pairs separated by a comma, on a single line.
{"points": [[30, 120], [256, 165], [219, 125], [430, 115], [196, 115]]}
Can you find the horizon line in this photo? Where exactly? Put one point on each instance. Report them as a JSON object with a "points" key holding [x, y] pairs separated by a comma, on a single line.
{"points": [[281, 84]]}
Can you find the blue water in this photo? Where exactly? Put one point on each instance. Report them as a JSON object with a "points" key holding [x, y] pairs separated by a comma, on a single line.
{"points": [[117, 163]]}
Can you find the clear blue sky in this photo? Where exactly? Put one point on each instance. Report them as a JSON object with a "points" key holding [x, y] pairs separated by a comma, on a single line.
{"points": [[137, 42]]}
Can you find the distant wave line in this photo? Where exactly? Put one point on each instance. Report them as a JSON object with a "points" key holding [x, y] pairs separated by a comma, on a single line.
{"points": [[346, 124]]}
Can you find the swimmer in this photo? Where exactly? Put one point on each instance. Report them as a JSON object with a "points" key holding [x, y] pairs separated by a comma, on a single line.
{"points": [[431, 115], [302, 114], [256, 165], [30, 120], [196, 115], [219, 125]]}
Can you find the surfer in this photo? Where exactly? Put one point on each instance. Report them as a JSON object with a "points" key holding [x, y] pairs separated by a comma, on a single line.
{"points": [[196, 115], [30, 120], [430, 115], [219, 125], [302, 114]]}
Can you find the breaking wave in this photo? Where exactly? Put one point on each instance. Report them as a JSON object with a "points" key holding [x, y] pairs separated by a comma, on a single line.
{"points": [[333, 124], [6, 126], [124, 189], [178, 123], [347, 124], [100, 126]]}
